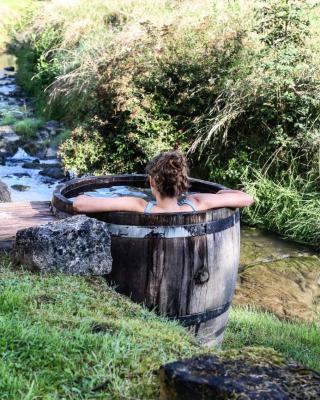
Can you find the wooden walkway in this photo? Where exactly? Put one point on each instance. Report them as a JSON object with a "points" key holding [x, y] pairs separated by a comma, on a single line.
{"points": [[20, 215]]}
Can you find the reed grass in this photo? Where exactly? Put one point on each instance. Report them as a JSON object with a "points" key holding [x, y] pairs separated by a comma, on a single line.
{"points": [[290, 206]]}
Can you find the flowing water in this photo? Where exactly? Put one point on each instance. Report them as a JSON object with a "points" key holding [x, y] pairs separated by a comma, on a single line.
{"points": [[34, 186], [24, 184]]}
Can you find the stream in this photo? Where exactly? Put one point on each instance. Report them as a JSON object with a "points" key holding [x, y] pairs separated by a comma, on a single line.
{"points": [[276, 275], [19, 170]]}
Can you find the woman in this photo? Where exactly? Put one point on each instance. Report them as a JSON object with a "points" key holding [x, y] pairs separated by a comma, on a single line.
{"points": [[168, 178]]}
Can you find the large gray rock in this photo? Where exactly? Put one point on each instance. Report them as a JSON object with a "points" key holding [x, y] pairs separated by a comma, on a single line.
{"points": [[76, 245], [4, 193]]}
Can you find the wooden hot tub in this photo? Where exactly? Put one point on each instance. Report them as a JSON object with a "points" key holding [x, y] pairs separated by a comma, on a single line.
{"points": [[182, 265]]}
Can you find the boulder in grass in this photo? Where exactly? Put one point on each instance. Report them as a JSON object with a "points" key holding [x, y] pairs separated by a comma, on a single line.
{"points": [[77, 245], [4, 193], [256, 373]]}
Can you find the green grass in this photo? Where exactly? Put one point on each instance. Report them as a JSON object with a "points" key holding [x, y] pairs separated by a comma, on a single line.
{"points": [[76, 338], [290, 206], [7, 118], [248, 327], [28, 127], [64, 337]]}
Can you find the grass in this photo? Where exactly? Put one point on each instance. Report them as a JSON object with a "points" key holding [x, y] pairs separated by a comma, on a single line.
{"points": [[8, 118], [290, 207], [10, 10], [76, 338], [28, 127], [73, 338], [248, 327]]}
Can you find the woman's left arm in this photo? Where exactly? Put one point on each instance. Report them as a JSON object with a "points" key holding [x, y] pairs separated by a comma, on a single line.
{"points": [[88, 204]]}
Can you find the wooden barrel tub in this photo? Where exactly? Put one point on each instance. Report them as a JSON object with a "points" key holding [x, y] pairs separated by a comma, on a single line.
{"points": [[181, 265]]}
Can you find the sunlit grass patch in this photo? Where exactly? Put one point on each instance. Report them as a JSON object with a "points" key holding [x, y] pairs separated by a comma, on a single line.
{"points": [[299, 341], [76, 338], [290, 206], [28, 127]]}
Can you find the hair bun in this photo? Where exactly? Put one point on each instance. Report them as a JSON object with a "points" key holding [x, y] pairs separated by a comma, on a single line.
{"points": [[170, 172]]}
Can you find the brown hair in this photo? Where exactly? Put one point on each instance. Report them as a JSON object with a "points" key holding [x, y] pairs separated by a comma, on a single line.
{"points": [[170, 173]]}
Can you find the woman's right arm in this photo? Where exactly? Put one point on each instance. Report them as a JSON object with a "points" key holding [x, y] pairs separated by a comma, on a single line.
{"points": [[89, 204]]}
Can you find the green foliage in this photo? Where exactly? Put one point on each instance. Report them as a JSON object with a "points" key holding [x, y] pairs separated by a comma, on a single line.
{"points": [[60, 138], [28, 127]]}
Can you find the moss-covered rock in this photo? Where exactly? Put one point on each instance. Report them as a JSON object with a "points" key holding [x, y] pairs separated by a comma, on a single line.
{"points": [[252, 373]]}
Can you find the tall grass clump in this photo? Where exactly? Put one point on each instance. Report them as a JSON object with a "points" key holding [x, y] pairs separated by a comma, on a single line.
{"points": [[235, 84], [290, 206], [28, 127]]}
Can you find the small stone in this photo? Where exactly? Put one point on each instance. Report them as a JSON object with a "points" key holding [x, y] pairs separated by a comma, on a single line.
{"points": [[4, 193], [9, 69], [22, 175], [20, 188], [77, 245], [51, 152], [32, 165]]}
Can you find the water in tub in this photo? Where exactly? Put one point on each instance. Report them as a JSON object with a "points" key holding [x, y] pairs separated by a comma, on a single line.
{"points": [[120, 191]]}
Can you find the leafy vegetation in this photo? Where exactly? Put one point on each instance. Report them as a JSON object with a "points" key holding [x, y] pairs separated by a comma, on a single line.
{"points": [[235, 84], [76, 338]]}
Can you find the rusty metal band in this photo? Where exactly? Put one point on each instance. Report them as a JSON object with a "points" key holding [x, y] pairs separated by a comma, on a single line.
{"points": [[175, 231], [195, 319]]}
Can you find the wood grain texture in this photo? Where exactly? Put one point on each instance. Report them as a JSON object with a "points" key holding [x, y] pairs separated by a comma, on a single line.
{"points": [[20, 215], [180, 276]]}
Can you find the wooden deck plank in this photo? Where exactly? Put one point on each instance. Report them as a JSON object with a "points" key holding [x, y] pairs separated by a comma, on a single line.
{"points": [[20, 215]]}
